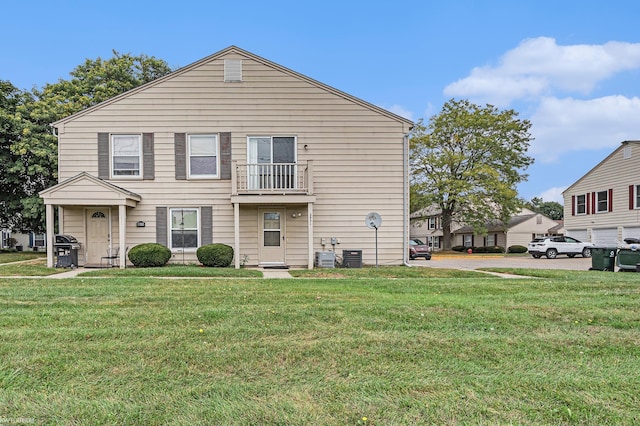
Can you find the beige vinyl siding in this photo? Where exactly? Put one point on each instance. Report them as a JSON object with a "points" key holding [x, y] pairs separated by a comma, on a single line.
{"points": [[356, 153], [615, 173]]}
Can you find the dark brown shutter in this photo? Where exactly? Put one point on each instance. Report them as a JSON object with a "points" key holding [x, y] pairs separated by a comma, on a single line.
{"points": [[206, 221], [593, 203], [225, 155], [103, 155], [610, 200], [573, 205], [631, 200], [180, 140], [161, 226], [147, 156]]}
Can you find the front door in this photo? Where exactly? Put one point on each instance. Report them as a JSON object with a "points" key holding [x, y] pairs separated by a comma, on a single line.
{"points": [[272, 236], [97, 244]]}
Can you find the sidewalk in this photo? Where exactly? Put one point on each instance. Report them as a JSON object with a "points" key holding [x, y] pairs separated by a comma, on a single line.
{"points": [[72, 273]]}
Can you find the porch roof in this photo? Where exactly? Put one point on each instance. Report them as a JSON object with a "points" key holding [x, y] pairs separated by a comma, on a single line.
{"points": [[84, 189]]}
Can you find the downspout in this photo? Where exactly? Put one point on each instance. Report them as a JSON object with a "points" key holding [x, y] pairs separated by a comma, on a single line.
{"points": [[405, 199]]}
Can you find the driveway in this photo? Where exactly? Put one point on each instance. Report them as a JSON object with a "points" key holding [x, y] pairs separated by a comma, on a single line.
{"points": [[473, 261]]}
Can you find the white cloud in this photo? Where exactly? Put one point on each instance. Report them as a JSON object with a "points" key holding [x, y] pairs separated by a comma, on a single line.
{"points": [[553, 194], [565, 125], [538, 67], [401, 111]]}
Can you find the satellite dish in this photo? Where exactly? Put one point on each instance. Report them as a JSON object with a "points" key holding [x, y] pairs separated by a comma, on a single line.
{"points": [[373, 220]]}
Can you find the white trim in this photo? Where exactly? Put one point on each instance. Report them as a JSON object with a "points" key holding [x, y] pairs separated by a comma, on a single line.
{"points": [[170, 229], [605, 201], [112, 154], [586, 201], [216, 143]]}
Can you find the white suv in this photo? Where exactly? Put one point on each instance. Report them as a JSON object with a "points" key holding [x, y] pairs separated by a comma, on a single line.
{"points": [[553, 246]]}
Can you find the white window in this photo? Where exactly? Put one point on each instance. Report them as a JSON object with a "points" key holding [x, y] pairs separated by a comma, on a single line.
{"points": [[581, 204], [272, 162], [637, 196], [491, 240], [203, 156], [126, 155], [468, 240], [432, 223], [434, 242], [38, 240], [184, 228], [602, 201]]}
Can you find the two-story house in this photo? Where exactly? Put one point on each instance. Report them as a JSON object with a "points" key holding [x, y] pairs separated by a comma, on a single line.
{"points": [[603, 206], [232, 149]]}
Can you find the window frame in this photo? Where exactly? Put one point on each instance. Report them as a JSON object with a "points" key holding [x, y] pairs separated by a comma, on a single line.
{"points": [[216, 143], [584, 204], [39, 237], [170, 228], [604, 201], [636, 197], [112, 163]]}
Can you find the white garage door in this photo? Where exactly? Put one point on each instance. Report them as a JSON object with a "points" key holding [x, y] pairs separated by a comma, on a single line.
{"points": [[605, 236], [578, 234], [631, 232]]}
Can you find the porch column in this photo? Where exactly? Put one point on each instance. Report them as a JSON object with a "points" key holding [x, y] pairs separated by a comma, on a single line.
{"points": [[122, 227], [50, 232], [236, 233], [311, 255]]}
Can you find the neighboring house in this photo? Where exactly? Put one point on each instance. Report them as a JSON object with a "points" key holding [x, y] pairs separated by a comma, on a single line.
{"points": [[520, 230], [238, 150], [32, 240], [603, 206]]}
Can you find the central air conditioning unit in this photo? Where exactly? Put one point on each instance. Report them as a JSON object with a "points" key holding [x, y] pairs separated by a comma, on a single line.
{"points": [[325, 259], [352, 258]]}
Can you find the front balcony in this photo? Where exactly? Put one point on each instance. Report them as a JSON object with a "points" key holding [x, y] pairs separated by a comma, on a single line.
{"points": [[272, 178]]}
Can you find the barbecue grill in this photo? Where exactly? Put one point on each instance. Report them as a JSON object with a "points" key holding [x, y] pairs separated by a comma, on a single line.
{"points": [[66, 248]]}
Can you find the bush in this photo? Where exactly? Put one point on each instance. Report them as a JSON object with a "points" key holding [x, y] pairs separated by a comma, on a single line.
{"points": [[149, 255], [494, 249], [517, 249], [216, 255], [459, 248]]}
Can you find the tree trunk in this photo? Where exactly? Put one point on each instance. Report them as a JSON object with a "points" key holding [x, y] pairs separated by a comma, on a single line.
{"points": [[446, 229]]}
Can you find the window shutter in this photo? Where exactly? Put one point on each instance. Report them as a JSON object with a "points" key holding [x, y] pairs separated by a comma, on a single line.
{"points": [[610, 199], [180, 140], [631, 201], [103, 155], [206, 221], [147, 156], [161, 226], [225, 155], [31, 239], [573, 205]]}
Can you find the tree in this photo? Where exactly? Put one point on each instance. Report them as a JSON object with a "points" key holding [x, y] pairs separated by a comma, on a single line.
{"points": [[31, 140], [468, 161], [551, 209]]}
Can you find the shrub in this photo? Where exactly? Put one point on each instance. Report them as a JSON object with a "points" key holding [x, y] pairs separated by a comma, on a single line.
{"points": [[216, 255], [458, 248], [517, 249], [149, 255], [494, 249]]}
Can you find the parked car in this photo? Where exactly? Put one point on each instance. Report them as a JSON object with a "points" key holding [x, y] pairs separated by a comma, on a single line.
{"points": [[551, 247], [419, 249]]}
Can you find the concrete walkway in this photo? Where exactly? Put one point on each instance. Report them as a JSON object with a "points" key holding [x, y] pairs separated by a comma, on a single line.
{"points": [[72, 273]]}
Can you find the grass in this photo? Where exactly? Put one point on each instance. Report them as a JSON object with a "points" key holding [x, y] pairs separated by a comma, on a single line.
{"points": [[173, 271], [37, 266], [8, 257], [563, 349]]}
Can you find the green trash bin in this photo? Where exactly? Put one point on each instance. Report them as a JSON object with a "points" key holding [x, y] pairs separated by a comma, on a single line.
{"points": [[603, 258], [628, 258]]}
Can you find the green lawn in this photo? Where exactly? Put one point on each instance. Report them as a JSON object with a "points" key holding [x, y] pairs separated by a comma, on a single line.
{"points": [[563, 349]]}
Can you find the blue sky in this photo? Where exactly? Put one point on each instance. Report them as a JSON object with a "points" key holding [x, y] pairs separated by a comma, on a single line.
{"points": [[571, 67]]}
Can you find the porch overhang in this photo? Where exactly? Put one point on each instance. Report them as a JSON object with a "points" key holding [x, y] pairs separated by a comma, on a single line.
{"points": [[273, 199], [86, 190]]}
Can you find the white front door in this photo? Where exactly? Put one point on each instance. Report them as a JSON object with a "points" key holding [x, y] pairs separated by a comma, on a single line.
{"points": [[272, 236], [97, 244]]}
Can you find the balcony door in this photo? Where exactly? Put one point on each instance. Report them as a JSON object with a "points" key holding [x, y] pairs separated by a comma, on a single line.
{"points": [[272, 162]]}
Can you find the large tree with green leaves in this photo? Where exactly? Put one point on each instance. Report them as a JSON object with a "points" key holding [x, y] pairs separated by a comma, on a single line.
{"points": [[551, 209], [31, 141], [468, 161]]}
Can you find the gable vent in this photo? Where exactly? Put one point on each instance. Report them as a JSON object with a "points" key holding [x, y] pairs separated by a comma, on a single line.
{"points": [[232, 70]]}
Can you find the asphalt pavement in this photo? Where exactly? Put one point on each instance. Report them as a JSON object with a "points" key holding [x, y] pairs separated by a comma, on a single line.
{"points": [[475, 261]]}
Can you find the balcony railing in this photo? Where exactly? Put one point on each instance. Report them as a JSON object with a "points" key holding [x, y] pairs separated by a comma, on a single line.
{"points": [[272, 178]]}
